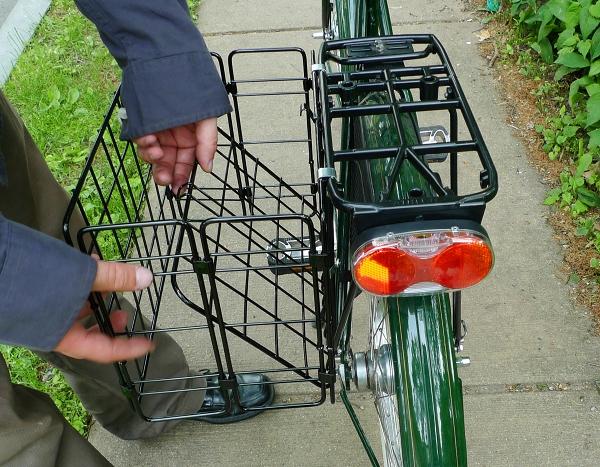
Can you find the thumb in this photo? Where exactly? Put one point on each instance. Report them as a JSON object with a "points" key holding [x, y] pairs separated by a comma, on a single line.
{"points": [[120, 277], [206, 137]]}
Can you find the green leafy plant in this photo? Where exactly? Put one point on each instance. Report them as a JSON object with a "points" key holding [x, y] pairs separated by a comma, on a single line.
{"points": [[565, 35]]}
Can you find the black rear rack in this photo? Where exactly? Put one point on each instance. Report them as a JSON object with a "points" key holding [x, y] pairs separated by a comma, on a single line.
{"points": [[391, 66]]}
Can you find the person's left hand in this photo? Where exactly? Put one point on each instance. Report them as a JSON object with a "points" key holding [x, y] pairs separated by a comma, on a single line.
{"points": [[173, 152], [90, 343]]}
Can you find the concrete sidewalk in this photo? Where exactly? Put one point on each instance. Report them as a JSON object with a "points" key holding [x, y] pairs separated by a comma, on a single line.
{"points": [[531, 397], [18, 20]]}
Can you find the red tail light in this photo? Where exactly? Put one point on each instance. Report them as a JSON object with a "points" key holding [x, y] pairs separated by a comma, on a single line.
{"points": [[422, 262]]}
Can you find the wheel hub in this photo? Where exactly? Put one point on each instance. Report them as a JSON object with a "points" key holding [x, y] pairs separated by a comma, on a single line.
{"points": [[373, 370]]}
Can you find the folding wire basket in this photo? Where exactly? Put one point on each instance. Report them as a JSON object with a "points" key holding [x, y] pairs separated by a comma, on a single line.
{"points": [[235, 258]]}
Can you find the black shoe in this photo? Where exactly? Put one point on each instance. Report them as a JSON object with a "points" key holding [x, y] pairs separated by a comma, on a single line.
{"points": [[258, 394]]}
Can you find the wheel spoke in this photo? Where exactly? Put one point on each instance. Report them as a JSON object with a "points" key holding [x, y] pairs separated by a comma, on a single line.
{"points": [[384, 394]]}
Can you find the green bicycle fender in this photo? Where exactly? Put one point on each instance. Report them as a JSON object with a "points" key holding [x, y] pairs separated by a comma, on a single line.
{"points": [[429, 391]]}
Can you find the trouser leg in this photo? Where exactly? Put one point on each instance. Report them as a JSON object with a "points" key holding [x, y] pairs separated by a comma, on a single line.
{"points": [[33, 433], [34, 198], [98, 387]]}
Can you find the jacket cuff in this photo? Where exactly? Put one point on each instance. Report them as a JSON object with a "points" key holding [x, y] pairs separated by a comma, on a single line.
{"points": [[43, 285], [157, 100]]}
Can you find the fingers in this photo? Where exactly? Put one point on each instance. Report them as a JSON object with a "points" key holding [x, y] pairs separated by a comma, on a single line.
{"points": [[183, 168], [92, 345], [157, 149], [120, 277], [149, 148], [173, 152], [162, 170], [148, 140], [206, 135], [118, 320], [152, 153], [103, 349]]}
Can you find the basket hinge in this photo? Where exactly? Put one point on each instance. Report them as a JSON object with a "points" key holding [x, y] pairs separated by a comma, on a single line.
{"points": [[204, 267], [318, 261], [305, 108], [246, 192], [307, 82], [231, 88], [327, 378], [228, 384]]}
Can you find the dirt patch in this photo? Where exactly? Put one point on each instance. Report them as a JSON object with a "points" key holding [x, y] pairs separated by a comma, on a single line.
{"points": [[523, 115]]}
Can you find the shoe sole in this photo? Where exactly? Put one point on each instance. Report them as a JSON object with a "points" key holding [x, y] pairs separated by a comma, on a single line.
{"points": [[226, 419]]}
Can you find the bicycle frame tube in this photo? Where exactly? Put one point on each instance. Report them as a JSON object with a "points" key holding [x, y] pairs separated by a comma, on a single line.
{"points": [[363, 18], [356, 18]]}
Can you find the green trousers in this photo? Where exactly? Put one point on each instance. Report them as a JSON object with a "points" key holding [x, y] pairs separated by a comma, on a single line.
{"points": [[32, 431]]}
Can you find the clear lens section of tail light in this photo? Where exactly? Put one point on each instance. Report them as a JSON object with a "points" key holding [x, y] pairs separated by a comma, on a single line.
{"points": [[422, 262]]}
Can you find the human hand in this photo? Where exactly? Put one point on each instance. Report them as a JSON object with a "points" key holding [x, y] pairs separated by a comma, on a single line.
{"points": [[173, 152], [91, 344]]}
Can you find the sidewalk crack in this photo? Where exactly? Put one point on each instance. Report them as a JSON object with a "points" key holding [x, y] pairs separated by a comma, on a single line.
{"points": [[318, 27], [514, 388]]}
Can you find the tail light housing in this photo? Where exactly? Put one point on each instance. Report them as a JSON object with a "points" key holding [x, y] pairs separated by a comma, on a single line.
{"points": [[423, 261]]}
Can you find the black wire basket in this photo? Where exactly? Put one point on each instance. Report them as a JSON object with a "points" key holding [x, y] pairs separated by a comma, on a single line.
{"points": [[235, 257]]}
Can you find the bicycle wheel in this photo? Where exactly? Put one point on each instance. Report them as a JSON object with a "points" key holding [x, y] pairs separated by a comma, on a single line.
{"points": [[410, 360], [418, 395], [411, 366], [382, 377]]}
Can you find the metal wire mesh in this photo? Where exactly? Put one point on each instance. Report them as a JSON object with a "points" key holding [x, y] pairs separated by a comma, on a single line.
{"points": [[234, 258]]}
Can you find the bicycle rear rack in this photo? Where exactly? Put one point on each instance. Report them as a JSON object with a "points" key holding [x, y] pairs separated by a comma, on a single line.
{"points": [[408, 72]]}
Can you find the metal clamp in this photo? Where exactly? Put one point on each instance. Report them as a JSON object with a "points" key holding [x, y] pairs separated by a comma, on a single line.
{"points": [[326, 172], [327, 378], [203, 267], [318, 67]]}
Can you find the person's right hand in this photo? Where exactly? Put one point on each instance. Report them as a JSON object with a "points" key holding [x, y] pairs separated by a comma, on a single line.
{"points": [[91, 344], [174, 151]]}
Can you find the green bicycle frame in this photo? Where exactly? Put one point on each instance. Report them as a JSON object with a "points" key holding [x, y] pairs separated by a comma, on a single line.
{"points": [[429, 391]]}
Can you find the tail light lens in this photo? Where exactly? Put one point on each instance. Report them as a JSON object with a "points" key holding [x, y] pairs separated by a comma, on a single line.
{"points": [[422, 262]]}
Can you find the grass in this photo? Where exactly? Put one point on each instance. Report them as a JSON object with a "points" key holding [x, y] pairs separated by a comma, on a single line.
{"points": [[28, 369], [61, 85]]}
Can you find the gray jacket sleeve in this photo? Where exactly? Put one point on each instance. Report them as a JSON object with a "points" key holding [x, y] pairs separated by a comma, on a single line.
{"points": [[169, 78], [37, 271]]}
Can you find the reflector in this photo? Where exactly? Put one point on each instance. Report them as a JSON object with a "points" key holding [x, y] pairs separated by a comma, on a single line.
{"points": [[384, 271], [463, 264], [422, 262]]}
